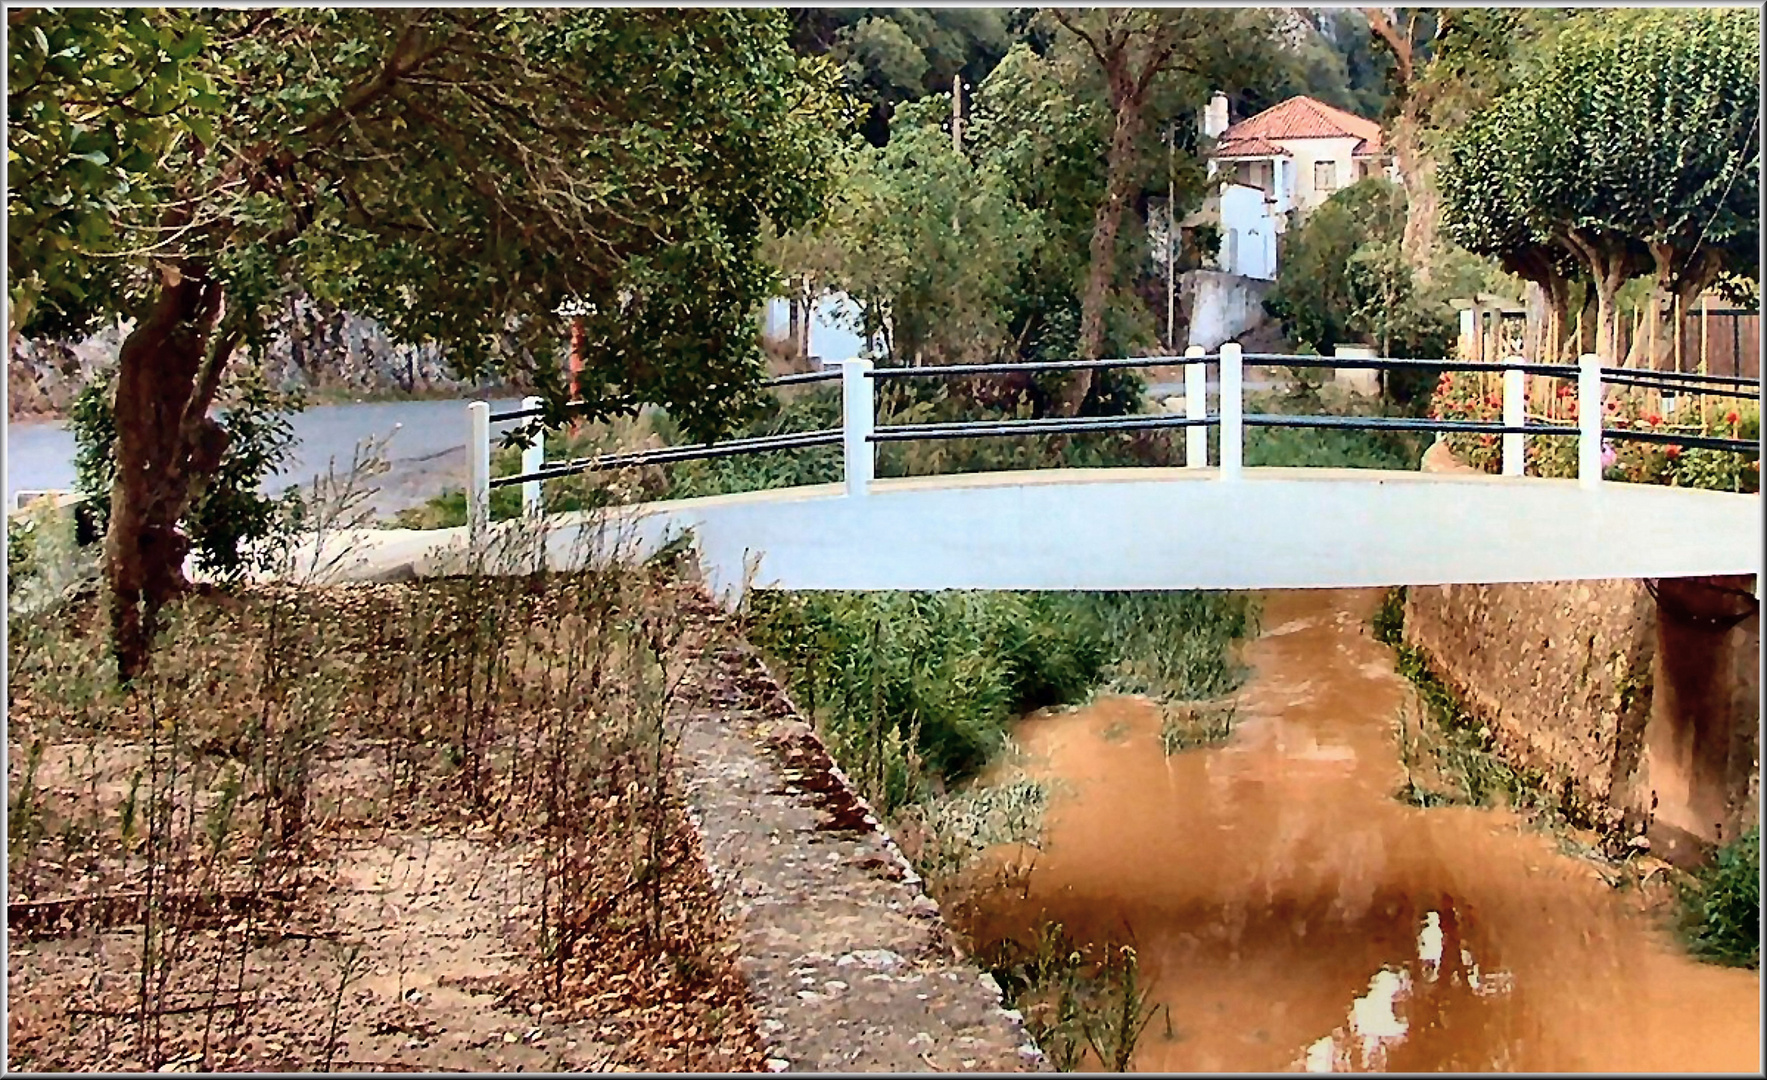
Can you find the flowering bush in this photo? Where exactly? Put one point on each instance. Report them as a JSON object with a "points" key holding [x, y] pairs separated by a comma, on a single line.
{"points": [[1466, 395]]}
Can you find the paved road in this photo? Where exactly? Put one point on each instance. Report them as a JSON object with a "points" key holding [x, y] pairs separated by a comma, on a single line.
{"points": [[425, 448]]}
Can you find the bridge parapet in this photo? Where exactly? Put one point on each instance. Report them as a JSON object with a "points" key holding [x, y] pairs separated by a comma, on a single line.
{"points": [[860, 433]]}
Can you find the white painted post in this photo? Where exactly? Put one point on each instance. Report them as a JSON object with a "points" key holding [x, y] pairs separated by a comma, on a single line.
{"points": [[1232, 412], [1196, 407], [1589, 414], [533, 457], [1515, 414], [857, 417], [478, 470]]}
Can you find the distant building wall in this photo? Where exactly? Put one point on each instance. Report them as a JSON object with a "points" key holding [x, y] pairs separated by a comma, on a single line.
{"points": [[1223, 306]]}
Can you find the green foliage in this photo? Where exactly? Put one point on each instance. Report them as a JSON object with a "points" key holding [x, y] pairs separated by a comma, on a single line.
{"points": [[1389, 619], [930, 241], [102, 103], [812, 409], [1721, 907], [1313, 295], [230, 517], [454, 173], [1635, 145], [1329, 448], [1472, 396], [942, 675], [1450, 758]]}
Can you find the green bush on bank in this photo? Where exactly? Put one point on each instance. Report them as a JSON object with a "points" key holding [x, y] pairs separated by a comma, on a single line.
{"points": [[1721, 907]]}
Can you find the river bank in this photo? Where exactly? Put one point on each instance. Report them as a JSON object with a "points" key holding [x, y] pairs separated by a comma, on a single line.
{"points": [[1290, 913]]}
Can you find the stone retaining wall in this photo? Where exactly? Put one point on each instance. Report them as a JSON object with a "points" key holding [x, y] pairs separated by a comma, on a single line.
{"points": [[1639, 702], [852, 966]]}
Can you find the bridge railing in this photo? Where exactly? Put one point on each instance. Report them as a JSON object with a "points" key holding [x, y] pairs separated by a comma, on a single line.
{"points": [[860, 434], [535, 469]]}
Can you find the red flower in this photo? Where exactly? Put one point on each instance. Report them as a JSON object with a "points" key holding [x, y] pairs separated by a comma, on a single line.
{"points": [[1612, 406], [1673, 452], [1565, 391], [1730, 417], [1654, 419]]}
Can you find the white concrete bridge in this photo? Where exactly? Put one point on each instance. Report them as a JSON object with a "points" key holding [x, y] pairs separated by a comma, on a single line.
{"points": [[1204, 526]]}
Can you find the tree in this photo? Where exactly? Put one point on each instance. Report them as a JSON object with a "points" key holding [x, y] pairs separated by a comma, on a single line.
{"points": [[894, 55], [1406, 33], [455, 174], [1314, 296], [1188, 53], [1635, 149], [927, 240], [1480, 215]]}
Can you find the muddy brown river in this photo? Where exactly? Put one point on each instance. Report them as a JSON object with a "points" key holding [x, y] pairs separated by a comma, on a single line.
{"points": [[1294, 916]]}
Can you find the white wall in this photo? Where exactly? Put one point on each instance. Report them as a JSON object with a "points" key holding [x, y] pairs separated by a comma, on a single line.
{"points": [[1306, 153], [835, 329], [1223, 306], [1248, 233]]}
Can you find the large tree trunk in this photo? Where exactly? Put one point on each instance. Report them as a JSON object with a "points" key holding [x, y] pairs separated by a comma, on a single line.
{"points": [[1609, 268], [1417, 177], [1119, 188], [168, 371], [1680, 279], [1416, 172]]}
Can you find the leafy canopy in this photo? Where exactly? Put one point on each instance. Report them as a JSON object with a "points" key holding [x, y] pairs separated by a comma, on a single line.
{"points": [[455, 173]]}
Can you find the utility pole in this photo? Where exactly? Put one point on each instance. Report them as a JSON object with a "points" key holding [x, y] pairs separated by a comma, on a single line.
{"points": [[957, 112], [1171, 239]]}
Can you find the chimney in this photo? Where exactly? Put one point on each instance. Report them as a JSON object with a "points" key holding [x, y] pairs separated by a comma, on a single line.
{"points": [[1215, 119]]}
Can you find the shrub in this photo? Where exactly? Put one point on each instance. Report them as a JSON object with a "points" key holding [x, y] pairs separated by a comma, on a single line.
{"points": [[1470, 396], [1721, 907], [229, 516]]}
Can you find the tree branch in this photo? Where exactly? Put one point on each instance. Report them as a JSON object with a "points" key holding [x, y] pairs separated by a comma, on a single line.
{"points": [[1067, 23]]}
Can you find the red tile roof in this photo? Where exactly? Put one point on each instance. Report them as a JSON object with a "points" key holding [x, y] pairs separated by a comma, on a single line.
{"points": [[1246, 148], [1304, 118]]}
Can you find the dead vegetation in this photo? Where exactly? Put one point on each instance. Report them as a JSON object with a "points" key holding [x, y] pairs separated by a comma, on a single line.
{"points": [[426, 825]]}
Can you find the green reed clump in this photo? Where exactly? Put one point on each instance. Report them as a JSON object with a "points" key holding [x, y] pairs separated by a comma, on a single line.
{"points": [[1388, 623], [941, 675], [1075, 999], [1721, 906]]}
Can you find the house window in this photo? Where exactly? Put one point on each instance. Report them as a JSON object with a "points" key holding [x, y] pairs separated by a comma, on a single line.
{"points": [[1325, 175]]}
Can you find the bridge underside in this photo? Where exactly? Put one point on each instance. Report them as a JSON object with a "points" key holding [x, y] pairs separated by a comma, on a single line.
{"points": [[1163, 529]]}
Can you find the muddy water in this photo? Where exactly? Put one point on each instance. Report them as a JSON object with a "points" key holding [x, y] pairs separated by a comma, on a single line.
{"points": [[1293, 915]]}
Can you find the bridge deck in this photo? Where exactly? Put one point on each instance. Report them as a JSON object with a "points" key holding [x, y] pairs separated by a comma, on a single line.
{"points": [[1169, 529]]}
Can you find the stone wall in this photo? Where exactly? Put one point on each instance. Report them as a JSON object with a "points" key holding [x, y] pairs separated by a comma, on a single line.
{"points": [[1222, 306], [1638, 701], [1560, 670]]}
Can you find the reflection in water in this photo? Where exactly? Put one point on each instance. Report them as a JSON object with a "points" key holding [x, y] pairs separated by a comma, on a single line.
{"points": [[1294, 916]]}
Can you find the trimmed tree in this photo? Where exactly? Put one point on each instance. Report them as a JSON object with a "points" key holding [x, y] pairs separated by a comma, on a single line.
{"points": [[1637, 150], [454, 173], [1480, 215]]}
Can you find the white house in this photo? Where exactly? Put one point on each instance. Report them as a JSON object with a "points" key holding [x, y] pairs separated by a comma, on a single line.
{"points": [[1286, 160], [1297, 153]]}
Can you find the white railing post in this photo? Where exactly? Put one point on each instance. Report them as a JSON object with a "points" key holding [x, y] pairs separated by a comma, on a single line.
{"points": [[857, 417], [1515, 414], [1232, 412], [1196, 408], [533, 457], [1589, 414], [478, 470]]}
